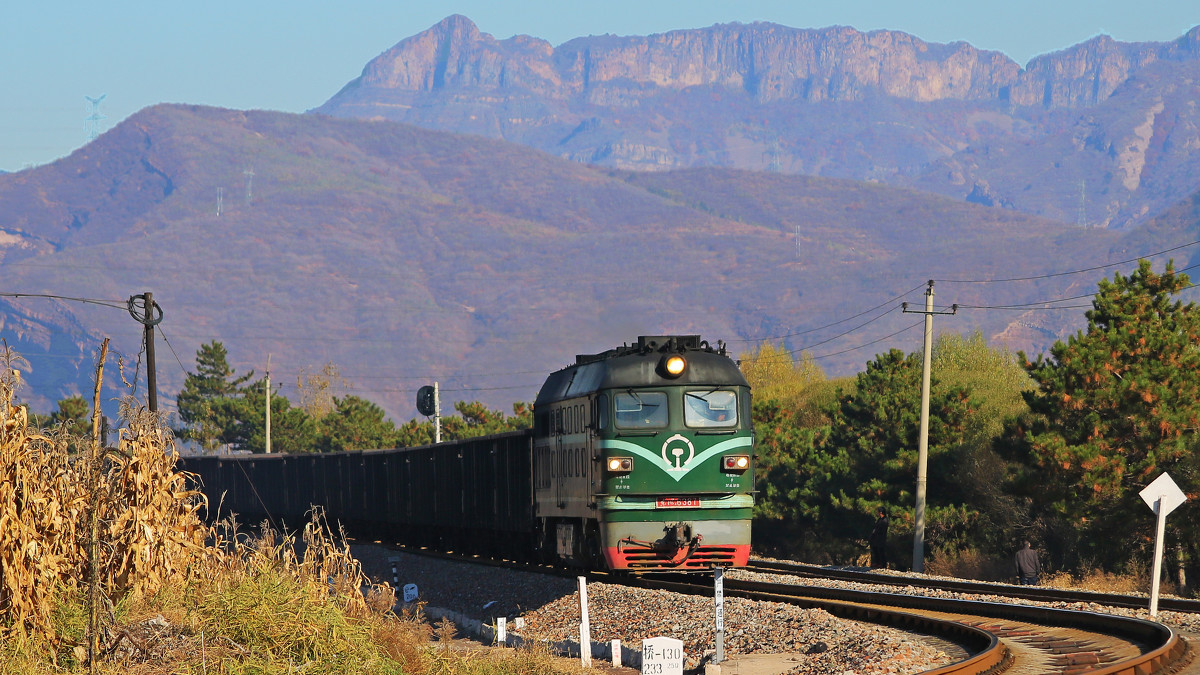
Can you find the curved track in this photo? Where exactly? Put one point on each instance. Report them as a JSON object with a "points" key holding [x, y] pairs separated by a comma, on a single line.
{"points": [[1039, 640], [1034, 593], [985, 637]]}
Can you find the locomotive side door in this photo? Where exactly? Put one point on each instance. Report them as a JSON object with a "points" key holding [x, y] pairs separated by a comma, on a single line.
{"points": [[559, 459]]}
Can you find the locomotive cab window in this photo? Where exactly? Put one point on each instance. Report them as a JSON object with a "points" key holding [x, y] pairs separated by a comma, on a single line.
{"points": [[712, 409], [643, 410]]}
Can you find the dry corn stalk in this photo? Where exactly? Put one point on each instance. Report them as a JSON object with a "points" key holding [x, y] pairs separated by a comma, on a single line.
{"points": [[149, 530], [41, 512]]}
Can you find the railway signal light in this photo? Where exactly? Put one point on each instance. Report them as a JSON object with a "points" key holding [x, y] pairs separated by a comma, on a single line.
{"points": [[426, 401]]}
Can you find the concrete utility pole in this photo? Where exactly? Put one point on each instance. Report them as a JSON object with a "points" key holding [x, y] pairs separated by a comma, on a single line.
{"points": [[268, 446], [437, 414], [923, 443]]}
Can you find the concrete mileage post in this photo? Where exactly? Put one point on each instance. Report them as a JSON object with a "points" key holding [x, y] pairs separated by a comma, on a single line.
{"points": [[1162, 496], [719, 611], [662, 656]]}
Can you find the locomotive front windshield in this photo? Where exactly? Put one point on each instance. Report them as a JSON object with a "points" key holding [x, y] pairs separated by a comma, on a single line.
{"points": [[713, 409], [702, 409], [641, 410]]}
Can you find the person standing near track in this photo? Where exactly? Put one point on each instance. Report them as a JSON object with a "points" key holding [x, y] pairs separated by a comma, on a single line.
{"points": [[1028, 567], [878, 541]]}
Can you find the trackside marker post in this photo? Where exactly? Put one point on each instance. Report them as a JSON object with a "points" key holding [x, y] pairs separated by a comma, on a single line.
{"points": [[585, 631], [719, 607], [1162, 496], [662, 656]]}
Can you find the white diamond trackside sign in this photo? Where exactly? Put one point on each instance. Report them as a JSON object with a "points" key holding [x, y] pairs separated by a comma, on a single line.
{"points": [[1166, 489]]}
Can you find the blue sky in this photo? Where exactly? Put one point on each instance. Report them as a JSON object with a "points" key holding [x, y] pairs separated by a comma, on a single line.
{"points": [[293, 56]]}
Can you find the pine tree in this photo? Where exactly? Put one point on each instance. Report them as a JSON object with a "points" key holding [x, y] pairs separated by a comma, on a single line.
{"points": [[200, 402], [878, 428], [1115, 406]]}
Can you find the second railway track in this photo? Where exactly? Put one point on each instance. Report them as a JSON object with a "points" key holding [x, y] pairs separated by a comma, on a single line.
{"points": [[997, 637], [1031, 593]]}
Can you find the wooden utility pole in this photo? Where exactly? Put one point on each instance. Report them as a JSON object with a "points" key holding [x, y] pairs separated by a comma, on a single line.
{"points": [[149, 320], [94, 520], [151, 375]]}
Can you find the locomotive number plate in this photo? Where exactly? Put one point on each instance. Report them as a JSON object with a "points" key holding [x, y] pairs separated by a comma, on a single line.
{"points": [[677, 502]]}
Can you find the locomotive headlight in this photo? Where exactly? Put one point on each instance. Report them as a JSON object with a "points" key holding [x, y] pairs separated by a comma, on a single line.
{"points": [[672, 365], [735, 463], [620, 464]]}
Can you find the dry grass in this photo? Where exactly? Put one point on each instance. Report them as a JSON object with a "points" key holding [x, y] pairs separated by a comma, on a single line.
{"points": [[107, 568], [969, 564]]}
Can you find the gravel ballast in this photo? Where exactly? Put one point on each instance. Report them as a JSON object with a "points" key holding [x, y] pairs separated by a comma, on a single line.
{"points": [[817, 643]]}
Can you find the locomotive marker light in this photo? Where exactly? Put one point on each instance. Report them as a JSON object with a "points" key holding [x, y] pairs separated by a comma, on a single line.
{"points": [[735, 463], [1162, 496], [620, 464]]}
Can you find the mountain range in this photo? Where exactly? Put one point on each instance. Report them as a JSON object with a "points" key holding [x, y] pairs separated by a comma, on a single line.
{"points": [[404, 254], [1101, 134]]}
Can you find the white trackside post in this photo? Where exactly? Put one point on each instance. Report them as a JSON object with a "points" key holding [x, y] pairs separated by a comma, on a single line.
{"points": [[585, 631]]}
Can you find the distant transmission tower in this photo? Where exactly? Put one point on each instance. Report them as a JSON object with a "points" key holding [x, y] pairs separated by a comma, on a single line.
{"points": [[774, 157], [220, 200], [1081, 217], [249, 174], [92, 121]]}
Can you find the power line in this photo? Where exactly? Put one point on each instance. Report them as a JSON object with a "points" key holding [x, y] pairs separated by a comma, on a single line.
{"points": [[835, 323], [118, 304], [1060, 274], [868, 344]]}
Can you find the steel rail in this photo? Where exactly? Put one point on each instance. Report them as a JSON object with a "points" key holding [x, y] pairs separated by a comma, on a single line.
{"points": [[1161, 646], [987, 654], [1035, 593]]}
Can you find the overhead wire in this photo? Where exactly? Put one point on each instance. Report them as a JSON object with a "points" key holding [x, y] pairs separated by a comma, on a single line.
{"points": [[118, 304], [868, 344], [1061, 274], [835, 323]]}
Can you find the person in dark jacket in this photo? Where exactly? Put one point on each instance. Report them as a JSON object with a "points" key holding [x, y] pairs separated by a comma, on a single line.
{"points": [[878, 541], [1028, 567]]}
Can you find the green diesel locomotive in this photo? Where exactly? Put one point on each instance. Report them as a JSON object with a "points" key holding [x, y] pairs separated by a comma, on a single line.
{"points": [[643, 458]]}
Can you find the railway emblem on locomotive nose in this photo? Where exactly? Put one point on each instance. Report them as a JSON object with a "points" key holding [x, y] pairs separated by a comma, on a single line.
{"points": [[673, 452]]}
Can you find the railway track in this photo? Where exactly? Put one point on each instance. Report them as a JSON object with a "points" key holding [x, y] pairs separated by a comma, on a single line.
{"points": [[995, 637], [981, 637], [1032, 593]]}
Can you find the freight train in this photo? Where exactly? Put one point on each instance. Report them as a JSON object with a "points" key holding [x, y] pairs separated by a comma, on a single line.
{"points": [[640, 458]]}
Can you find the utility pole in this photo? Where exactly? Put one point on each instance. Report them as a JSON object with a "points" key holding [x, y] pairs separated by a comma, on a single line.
{"points": [[268, 403], [437, 414], [923, 443], [149, 315], [151, 374]]}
